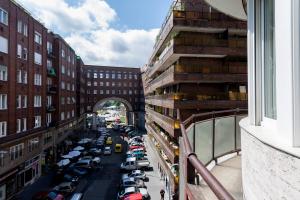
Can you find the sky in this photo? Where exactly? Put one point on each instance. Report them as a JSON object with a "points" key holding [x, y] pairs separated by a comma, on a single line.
{"points": [[104, 32]]}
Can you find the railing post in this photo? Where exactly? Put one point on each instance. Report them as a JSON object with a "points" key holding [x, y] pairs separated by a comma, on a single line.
{"points": [[190, 170], [213, 137], [235, 133], [194, 135]]}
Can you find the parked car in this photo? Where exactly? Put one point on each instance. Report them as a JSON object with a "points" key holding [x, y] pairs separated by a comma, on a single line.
{"points": [[132, 147], [133, 190], [77, 196], [132, 164], [135, 196], [137, 155], [95, 151], [107, 151], [71, 178], [84, 163], [137, 174], [131, 182], [46, 195], [78, 171], [136, 139], [65, 188], [109, 141]]}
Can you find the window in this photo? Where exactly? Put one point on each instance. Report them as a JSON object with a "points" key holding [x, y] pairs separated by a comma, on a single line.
{"points": [[125, 84], [68, 115], [24, 124], [3, 73], [3, 129], [113, 92], [38, 79], [73, 74], [49, 100], [119, 75], [62, 53], [107, 75], [48, 118], [73, 113], [16, 151], [3, 16], [89, 83], [49, 47], [3, 101], [37, 37], [113, 84], [269, 60], [25, 77], [63, 69], [37, 58], [107, 91], [130, 76], [19, 101], [25, 29], [113, 76], [62, 100], [69, 72], [24, 53], [95, 83], [18, 126], [25, 101], [19, 76], [68, 86], [125, 76], [63, 85], [101, 91], [95, 91], [107, 83], [37, 121], [37, 101], [95, 75], [19, 51], [3, 44], [124, 91], [68, 100], [135, 76], [73, 87], [130, 92], [101, 83], [20, 28], [69, 58], [33, 144], [88, 75]]}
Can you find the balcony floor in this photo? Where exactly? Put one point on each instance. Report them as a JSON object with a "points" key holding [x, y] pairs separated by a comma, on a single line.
{"points": [[229, 173]]}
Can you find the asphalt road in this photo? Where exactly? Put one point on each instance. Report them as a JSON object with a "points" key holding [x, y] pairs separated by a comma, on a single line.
{"points": [[103, 184]]}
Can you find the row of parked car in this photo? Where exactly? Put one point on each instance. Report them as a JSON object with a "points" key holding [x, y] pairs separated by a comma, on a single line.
{"points": [[68, 174], [132, 183]]}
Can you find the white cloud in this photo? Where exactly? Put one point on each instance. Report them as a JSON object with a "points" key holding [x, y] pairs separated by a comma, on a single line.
{"points": [[86, 27]]}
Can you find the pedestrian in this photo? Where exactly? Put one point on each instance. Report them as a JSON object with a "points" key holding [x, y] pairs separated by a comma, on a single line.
{"points": [[162, 194]]}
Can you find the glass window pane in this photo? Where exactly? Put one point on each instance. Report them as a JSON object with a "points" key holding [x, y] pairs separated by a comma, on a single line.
{"points": [[224, 135], [269, 61], [190, 135], [204, 141]]}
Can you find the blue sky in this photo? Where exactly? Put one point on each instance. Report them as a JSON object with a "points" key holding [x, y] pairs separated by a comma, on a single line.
{"points": [[111, 32]]}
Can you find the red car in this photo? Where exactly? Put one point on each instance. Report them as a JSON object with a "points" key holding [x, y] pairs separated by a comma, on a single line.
{"points": [[135, 196], [136, 147]]}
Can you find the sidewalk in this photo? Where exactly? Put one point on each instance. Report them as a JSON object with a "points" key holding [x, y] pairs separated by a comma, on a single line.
{"points": [[42, 184], [155, 183]]}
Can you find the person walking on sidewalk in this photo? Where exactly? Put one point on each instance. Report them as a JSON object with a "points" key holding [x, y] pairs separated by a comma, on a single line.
{"points": [[162, 194]]}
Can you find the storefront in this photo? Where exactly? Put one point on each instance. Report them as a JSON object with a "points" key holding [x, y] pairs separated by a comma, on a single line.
{"points": [[30, 172], [8, 186]]}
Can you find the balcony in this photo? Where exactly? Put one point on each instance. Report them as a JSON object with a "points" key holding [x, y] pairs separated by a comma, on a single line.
{"points": [[51, 89], [197, 47], [51, 108], [186, 16], [175, 75], [208, 139], [167, 123], [221, 101], [170, 149], [51, 72], [50, 54]]}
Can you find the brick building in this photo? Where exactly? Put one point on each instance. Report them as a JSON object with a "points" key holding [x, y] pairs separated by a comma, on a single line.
{"points": [[198, 65]]}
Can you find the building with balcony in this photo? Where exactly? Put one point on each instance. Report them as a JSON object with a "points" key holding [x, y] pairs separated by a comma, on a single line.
{"points": [[198, 65], [269, 136]]}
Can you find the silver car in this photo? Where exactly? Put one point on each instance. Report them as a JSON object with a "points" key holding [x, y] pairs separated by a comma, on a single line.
{"points": [[136, 174]]}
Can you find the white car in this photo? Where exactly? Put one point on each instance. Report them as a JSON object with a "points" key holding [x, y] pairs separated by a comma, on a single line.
{"points": [[137, 174], [107, 151], [132, 190]]}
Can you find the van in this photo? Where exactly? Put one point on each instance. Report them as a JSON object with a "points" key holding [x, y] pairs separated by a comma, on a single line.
{"points": [[118, 148]]}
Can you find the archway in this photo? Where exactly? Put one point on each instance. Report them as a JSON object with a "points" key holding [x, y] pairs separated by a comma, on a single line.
{"points": [[100, 105]]}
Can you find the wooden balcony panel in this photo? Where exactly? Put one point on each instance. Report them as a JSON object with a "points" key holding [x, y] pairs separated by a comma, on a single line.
{"points": [[211, 104], [166, 103], [212, 51], [164, 122], [209, 78], [163, 143]]}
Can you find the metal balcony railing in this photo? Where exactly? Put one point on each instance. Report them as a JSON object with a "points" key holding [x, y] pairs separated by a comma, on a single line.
{"points": [[206, 138]]}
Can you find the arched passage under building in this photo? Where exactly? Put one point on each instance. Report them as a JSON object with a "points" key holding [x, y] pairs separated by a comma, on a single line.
{"points": [[130, 116]]}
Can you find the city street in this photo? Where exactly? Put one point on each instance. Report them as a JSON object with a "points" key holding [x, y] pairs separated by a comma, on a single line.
{"points": [[103, 184]]}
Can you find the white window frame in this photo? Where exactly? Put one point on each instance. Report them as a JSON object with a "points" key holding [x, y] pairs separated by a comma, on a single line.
{"points": [[3, 19], [19, 26], [3, 101], [37, 121], [3, 73], [3, 45], [19, 101], [18, 129], [37, 58], [24, 124], [3, 129], [38, 37]]}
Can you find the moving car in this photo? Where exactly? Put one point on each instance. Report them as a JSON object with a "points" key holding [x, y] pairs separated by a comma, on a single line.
{"points": [[131, 182], [109, 141], [65, 188], [107, 151], [95, 151], [118, 148], [71, 178], [136, 174], [133, 190]]}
